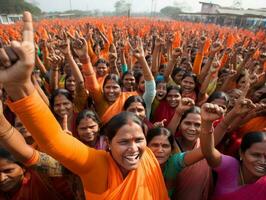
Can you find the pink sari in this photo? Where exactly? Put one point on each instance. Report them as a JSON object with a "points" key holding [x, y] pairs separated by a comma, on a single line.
{"points": [[255, 191]]}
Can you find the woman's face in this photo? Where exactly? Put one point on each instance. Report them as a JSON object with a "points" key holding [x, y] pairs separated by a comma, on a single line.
{"points": [[111, 90], [138, 109], [127, 146], [221, 103], [161, 91], [178, 77], [173, 98], [101, 69], [88, 130], [254, 159], [142, 84], [129, 82], [161, 148], [24, 132], [234, 95], [62, 106], [241, 84], [11, 175], [190, 127], [188, 84], [71, 84]]}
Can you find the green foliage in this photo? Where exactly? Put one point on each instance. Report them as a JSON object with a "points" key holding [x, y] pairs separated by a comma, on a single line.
{"points": [[170, 11], [122, 7], [18, 7]]}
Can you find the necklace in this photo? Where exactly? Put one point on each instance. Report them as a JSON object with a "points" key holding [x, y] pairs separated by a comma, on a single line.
{"points": [[242, 180]]}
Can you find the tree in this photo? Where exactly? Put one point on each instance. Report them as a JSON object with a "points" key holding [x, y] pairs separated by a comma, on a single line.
{"points": [[122, 7], [171, 11], [18, 7]]}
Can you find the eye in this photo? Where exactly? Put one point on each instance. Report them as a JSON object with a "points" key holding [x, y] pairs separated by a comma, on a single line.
{"points": [[139, 140], [123, 142]]}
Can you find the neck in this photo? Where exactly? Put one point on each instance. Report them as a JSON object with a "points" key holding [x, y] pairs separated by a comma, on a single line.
{"points": [[186, 144]]}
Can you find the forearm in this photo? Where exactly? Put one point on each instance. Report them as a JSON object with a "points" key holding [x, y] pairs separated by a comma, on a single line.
{"points": [[155, 59], [54, 79], [35, 115], [146, 70], [193, 156], [169, 69], [40, 65], [175, 121], [206, 69], [75, 69], [14, 142], [207, 144]]}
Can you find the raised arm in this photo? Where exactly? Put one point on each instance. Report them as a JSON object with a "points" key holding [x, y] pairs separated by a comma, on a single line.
{"points": [[209, 113], [34, 113], [13, 141]]}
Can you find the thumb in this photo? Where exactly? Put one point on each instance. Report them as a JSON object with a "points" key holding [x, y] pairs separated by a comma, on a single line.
{"points": [[64, 123]]}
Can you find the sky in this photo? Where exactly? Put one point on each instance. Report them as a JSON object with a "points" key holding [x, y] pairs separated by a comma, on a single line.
{"points": [[137, 5]]}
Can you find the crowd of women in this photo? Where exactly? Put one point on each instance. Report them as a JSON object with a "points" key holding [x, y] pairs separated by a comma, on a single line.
{"points": [[132, 109]]}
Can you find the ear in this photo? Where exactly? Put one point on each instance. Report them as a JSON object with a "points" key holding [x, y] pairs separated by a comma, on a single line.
{"points": [[108, 143], [241, 154]]}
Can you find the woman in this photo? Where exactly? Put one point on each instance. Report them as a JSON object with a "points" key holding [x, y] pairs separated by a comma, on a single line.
{"points": [[61, 103], [42, 176], [136, 104], [190, 179], [167, 107], [189, 86], [161, 142], [88, 129], [244, 179], [128, 82]]}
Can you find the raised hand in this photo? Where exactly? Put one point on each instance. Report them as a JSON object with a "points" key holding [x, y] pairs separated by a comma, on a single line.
{"points": [[160, 124], [177, 52], [243, 106], [65, 125], [18, 75], [185, 104], [81, 49], [211, 112], [64, 45], [112, 54], [138, 52]]}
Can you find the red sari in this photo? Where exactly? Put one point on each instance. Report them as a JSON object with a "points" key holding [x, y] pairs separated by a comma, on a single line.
{"points": [[163, 111], [33, 187]]}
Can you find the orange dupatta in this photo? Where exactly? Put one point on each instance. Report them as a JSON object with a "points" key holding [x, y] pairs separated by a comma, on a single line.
{"points": [[117, 106], [146, 182]]}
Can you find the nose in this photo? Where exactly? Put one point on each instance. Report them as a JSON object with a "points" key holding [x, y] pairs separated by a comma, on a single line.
{"points": [[133, 147], [3, 177], [160, 148]]}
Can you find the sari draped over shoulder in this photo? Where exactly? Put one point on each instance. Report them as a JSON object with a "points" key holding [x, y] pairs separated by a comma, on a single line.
{"points": [[163, 111], [194, 182], [146, 182], [116, 107]]}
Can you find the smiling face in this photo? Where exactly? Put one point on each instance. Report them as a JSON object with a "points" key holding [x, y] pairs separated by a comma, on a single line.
{"points": [[127, 147], [111, 91], [173, 98], [11, 175], [101, 69], [254, 159], [188, 84], [190, 127], [129, 82], [62, 106], [138, 109], [71, 84], [88, 130], [161, 148]]}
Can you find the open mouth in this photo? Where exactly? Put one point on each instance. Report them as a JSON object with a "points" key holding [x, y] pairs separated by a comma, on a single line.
{"points": [[261, 169], [132, 159]]}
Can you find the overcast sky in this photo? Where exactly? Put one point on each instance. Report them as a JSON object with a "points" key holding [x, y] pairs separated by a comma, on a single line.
{"points": [[137, 5]]}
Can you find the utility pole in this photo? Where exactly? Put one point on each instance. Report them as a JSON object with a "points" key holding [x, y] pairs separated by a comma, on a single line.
{"points": [[70, 4]]}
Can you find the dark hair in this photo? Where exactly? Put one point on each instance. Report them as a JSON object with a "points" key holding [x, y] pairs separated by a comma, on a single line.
{"points": [[176, 71], [192, 75], [6, 155], [193, 110], [218, 95], [57, 92], [223, 71], [116, 122], [153, 132], [173, 87], [240, 77], [138, 74], [101, 60], [67, 77], [88, 114], [134, 99], [251, 138], [113, 77]]}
